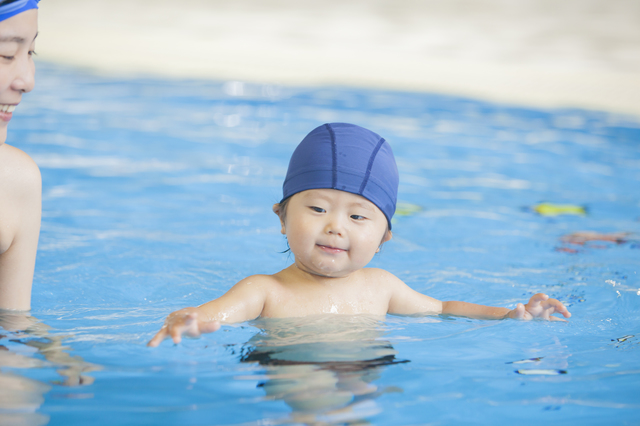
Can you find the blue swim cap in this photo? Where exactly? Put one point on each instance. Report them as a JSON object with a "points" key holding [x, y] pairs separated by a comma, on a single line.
{"points": [[10, 8], [348, 158]]}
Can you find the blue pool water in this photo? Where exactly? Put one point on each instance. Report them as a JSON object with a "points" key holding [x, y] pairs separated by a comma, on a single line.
{"points": [[157, 195]]}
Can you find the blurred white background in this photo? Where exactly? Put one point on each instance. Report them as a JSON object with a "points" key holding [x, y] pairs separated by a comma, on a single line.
{"points": [[549, 53]]}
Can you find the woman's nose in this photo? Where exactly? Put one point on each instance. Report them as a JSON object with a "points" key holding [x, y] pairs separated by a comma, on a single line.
{"points": [[24, 80]]}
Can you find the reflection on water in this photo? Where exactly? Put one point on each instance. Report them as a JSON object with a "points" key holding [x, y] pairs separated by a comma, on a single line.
{"points": [[24, 341], [323, 367]]}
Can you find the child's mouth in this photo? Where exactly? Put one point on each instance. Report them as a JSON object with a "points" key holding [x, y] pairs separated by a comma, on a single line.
{"points": [[332, 250]]}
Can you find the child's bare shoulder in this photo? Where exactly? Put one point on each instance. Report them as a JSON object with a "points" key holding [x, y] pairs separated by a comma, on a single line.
{"points": [[258, 282], [381, 277], [261, 279], [380, 273]]}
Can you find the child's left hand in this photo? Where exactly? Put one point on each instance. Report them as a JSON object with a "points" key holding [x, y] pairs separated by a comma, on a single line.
{"points": [[540, 307]]}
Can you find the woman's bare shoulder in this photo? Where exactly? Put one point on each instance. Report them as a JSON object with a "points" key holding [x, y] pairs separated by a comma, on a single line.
{"points": [[18, 169]]}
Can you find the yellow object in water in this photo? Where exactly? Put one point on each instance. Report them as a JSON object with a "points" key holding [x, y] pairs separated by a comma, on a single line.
{"points": [[407, 209], [548, 209]]}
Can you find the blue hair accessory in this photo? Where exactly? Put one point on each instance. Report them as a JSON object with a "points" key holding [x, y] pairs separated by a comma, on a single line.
{"points": [[348, 158], [10, 8]]}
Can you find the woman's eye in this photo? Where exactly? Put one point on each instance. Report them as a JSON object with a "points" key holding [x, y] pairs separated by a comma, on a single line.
{"points": [[317, 209]]}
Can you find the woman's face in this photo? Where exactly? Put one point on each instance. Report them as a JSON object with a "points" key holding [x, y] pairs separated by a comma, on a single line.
{"points": [[17, 42]]}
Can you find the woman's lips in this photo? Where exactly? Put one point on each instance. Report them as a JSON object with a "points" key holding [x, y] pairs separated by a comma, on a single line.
{"points": [[6, 111]]}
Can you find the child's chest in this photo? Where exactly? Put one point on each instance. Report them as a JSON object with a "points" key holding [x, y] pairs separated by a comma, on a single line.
{"points": [[300, 301]]}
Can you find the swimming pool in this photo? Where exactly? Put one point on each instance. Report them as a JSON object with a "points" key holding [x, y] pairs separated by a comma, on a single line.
{"points": [[157, 195]]}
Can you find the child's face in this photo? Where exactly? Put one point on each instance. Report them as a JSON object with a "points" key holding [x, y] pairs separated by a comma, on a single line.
{"points": [[333, 233]]}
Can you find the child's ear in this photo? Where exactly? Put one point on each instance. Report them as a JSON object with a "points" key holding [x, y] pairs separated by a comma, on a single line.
{"points": [[387, 236], [278, 210]]}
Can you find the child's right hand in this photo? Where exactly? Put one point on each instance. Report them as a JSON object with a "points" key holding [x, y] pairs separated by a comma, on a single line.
{"points": [[184, 322]]}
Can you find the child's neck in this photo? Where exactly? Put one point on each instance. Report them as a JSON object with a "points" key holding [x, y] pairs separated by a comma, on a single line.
{"points": [[303, 274]]}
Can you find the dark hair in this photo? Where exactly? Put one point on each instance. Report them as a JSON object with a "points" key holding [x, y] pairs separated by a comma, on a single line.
{"points": [[283, 214], [283, 207]]}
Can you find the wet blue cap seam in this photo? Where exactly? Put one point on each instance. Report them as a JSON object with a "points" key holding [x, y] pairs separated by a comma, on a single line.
{"points": [[345, 157], [371, 159], [334, 157]]}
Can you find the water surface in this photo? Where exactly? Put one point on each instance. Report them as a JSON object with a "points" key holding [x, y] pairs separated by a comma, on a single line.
{"points": [[157, 195]]}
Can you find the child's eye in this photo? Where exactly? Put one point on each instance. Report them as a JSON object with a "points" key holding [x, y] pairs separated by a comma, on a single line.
{"points": [[357, 217], [8, 58], [32, 52], [317, 209]]}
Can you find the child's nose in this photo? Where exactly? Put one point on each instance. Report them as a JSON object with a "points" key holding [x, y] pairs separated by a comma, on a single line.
{"points": [[334, 226]]}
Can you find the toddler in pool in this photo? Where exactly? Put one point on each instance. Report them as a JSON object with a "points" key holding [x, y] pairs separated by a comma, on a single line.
{"points": [[338, 199]]}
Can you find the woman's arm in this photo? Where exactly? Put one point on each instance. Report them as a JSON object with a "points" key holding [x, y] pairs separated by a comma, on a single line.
{"points": [[20, 212]]}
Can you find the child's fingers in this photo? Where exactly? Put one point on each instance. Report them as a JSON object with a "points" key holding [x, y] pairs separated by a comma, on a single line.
{"points": [[518, 312], [155, 341], [190, 320], [183, 324], [552, 318], [538, 298], [558, 307], [187, 325], [176, 334], [159, 337]]}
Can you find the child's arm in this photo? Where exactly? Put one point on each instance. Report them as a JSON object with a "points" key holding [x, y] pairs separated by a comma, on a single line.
{"points": [[243, 302], [539, 307], [406, 301]]}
